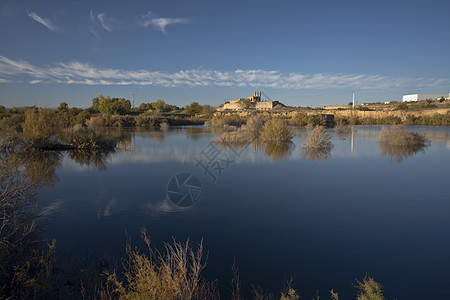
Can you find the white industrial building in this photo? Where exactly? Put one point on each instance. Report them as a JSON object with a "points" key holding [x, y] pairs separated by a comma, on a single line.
{"points": [[418, 97]]}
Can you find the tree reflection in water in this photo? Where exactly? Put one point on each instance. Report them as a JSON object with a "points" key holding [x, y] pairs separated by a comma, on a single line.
{"points": [[317, 154], [95, 158], [398, 153], [40, 166], [278, 150]]}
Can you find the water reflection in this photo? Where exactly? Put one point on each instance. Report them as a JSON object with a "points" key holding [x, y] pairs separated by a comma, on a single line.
{"points": [[40, 167], [91, 158], [399, 153], [277, 151], [317, 154]]}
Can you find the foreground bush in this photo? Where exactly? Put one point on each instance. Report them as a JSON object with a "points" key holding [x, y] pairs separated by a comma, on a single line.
{"points": [[398, 136], [174, 275], [276, 131]]}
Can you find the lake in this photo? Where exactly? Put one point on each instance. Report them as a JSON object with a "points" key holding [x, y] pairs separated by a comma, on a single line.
{"points": [[324, 219]]}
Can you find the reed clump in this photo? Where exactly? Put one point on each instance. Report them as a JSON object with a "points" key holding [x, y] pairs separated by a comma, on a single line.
{"points": [[254, 125], [172, 275], [398, 136], [276, 131], [318, 139], [88, 139], [236, 139]]}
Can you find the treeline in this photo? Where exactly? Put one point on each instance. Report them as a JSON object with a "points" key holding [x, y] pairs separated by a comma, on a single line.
{"points": [[107, 111]]}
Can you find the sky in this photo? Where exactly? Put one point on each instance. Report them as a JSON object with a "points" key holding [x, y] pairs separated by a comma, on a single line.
{"points": [[303, 53]]}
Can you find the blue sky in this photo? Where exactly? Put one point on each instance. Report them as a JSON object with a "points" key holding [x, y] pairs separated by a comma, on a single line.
{"points": [[304, 53]]}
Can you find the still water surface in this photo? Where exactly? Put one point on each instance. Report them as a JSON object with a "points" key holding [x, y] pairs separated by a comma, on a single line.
{"points": [[324, 219]]}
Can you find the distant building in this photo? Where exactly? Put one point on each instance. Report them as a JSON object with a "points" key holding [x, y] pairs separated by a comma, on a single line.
{"points": [[255, 101], [419, 97]]}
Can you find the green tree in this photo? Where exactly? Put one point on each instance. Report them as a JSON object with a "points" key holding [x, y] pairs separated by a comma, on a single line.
{"points": [[194, 109], [96, 102], [112, 106], [143, 107], [159, 105]]}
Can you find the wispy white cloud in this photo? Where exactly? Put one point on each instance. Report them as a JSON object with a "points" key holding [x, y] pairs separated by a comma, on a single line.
{"points": [[47, 23], [106, 23], [3, 80], [86, 74], [149, 19], [100, 22]]}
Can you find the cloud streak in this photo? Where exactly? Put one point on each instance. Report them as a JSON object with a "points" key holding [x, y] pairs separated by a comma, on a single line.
{"points": [[47, 23], [106, 23], [160, 23], [86, 74]]}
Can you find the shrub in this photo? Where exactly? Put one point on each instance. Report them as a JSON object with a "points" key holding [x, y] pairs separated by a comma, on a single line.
{"points": [[254, 125], [369, 289], [146, 121], [87, 138], [235, 139], [275, 131], [318, 139], [175, 275], [300, 119], [398, 136], [227, 120], [402, 106], [40, 128]]}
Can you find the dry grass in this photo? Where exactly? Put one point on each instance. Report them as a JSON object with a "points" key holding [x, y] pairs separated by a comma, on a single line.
{"points": [[87, 138], [369, 289], [318, 139], [173, 275], [226, 120], [254, 126], [398, 136], [235, 139], [40, 128]]}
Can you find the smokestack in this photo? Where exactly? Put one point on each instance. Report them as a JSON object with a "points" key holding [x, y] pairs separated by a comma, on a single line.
{"points": [[353, 100]]}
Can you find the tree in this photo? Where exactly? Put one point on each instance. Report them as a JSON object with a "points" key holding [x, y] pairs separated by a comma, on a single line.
{"points": [[145, 107], [96, 102], [111, 106], [63, 107], [159, 105], [194, 109]]}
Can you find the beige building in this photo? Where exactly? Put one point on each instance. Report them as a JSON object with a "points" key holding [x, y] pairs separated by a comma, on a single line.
{"points": [[255, 102]]}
